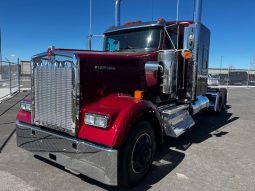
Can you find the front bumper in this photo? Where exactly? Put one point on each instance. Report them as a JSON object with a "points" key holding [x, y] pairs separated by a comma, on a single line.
{"points": [[97, 162]]}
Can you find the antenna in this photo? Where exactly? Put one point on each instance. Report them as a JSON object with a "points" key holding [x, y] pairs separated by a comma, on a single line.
{"points": [[177, 10], [90, 25], [152, 10]]}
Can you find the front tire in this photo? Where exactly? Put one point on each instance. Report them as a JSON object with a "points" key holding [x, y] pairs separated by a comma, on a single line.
{"points": [[137, 154]]}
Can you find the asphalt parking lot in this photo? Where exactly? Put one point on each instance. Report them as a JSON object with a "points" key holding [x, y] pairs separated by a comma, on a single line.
{"points": [[217, 154]]}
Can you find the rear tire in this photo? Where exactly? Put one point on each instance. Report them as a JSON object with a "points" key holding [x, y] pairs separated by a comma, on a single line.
{"points": [[137, 154], [220, 105]]}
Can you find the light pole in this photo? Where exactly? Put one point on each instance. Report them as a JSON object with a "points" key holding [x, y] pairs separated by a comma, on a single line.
{"points": [[229, 69], [220, 67], [228, 75], [220, 64]]}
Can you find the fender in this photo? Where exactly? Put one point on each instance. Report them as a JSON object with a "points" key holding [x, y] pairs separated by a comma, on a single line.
{"points": [[123, 111], [24, 116]]}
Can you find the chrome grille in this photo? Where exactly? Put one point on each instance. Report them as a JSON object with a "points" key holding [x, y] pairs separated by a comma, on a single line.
{"points": [[54, 94]]}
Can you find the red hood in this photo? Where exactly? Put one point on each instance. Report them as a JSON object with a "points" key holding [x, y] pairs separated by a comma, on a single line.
{"points": [[104, 73]]}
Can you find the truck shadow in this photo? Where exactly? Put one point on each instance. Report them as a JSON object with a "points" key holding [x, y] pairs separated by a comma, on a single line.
{"points": [[208, 124]]}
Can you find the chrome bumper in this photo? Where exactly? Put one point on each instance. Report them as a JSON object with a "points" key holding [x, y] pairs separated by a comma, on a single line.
{"points": [[94, 161]]}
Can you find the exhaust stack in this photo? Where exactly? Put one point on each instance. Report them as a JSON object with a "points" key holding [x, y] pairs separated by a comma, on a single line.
{"points": [[117, 12], [197, 40], [198, 11]]}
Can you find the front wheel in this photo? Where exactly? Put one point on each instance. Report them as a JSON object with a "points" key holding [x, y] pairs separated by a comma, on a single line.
{"points": [[137, 154]]}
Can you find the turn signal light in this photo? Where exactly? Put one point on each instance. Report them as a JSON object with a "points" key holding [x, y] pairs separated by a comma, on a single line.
{"points": [[161, 20], [186, 54], [138, 94]]}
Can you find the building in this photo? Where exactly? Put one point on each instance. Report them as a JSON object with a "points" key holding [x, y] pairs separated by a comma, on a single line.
{"points": [[233, 76]]}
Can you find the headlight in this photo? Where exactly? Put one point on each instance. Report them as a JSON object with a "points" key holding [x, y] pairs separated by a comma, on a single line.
{"points": [[96, 120], [25, 106]]}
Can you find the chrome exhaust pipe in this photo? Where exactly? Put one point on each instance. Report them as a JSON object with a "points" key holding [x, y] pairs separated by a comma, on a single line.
{"points": [[197, 11], [117, 12], [201, 103], [197, 31]]}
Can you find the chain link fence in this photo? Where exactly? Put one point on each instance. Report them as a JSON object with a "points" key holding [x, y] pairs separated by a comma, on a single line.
{"points": [[233, 77], [9, 78], [15, 77], [25, 75]]}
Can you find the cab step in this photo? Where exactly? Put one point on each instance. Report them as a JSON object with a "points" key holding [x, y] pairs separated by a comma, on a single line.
{"points": [[176, 120]]}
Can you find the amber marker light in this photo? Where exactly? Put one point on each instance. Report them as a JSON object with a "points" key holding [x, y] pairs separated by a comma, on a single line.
{"points": [[161, 20], [132, 23], [186, 55], [138, 94]]}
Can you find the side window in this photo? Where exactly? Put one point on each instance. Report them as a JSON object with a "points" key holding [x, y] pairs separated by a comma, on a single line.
{"points": [[168, 44], [113, 45], [174, 39], [205, 58]]}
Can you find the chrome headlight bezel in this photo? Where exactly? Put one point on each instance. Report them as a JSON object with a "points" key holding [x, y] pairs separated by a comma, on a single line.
{"points": [[96, 120], [25, 106]]}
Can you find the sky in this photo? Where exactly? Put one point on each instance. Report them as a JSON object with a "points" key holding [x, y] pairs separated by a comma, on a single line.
{"points": [[31, 26]]}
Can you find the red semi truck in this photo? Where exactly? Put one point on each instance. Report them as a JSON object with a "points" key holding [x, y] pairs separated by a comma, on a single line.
{"points": [[104, 113]]}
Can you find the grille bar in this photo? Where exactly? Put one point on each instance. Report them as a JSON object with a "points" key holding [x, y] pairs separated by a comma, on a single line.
{"points": [[55, 94]]}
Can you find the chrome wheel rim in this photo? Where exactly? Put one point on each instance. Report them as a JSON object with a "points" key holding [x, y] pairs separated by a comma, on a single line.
{"points": [[142, 153]]}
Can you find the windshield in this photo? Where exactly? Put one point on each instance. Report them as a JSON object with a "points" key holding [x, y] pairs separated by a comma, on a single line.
{"points": [[133, 40]]}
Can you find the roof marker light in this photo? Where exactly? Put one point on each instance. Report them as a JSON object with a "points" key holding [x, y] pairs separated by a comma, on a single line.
{"points": [[161, 20], [50, 53], [132, 23]]}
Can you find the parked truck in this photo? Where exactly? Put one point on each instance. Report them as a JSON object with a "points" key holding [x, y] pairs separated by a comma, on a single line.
{"points": [[104, 113]]}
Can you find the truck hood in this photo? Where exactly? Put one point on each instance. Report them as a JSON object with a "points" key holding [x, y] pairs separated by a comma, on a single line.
{"points": [[105, 73]]}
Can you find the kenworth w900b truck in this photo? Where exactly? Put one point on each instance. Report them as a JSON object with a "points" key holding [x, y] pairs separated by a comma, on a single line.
{"points": [[104, 113]]}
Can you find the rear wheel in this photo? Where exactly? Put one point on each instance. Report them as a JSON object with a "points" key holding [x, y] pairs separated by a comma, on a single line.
{"points": [[220, 105], [137, 154], [222, 101], [223, 98]]}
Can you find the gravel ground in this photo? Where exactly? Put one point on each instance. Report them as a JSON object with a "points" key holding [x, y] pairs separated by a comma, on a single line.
{"points": [[217, 154]]}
